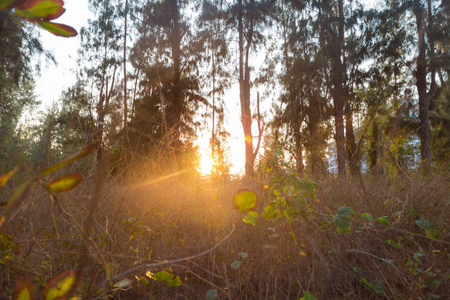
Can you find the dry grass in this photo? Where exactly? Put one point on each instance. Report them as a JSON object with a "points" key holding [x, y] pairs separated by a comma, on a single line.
{"points": [[145, 219]]}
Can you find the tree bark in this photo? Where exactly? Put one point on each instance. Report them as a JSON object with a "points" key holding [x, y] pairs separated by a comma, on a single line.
{"points": [[338, 94], [125, 104], [244, 92], [176, 55], [352, 155], [421, 83]]}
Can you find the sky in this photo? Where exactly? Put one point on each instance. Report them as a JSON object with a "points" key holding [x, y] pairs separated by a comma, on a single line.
{"points": [[55, 79]]}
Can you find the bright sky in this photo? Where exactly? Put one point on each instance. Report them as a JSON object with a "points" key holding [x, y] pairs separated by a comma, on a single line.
{"points": [[55, 79]]}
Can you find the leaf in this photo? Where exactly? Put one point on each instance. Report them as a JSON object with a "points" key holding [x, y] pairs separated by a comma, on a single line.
{"points": [[244, 255], [64, 183], [41, 10], [423, 223], [211, 294], [309, 187], [23, 290], [236, 264], [18, 195], [62, 286], [343, 223], [85, 152], [4, 179], [251, 218], [142, 280], [270, 213], [289, 189], [307, 296], [58, 29], [383, 220], [8, 4], [165, 276], [245, 200], [124, 284], [367, 217]]}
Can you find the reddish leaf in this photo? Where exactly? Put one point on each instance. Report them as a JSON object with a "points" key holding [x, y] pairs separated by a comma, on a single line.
{"points": [[64, 183], [41, 10], [79, 155], [62, 286], [4, 179], [59, 29], [16, 197], [23, 290], [8, 4]]}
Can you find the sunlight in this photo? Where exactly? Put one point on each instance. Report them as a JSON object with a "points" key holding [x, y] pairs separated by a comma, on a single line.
{"points": [[205, 164], [235, 154]]}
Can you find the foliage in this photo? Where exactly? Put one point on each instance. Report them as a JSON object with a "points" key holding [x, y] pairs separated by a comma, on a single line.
{"points": [[40, 12]]}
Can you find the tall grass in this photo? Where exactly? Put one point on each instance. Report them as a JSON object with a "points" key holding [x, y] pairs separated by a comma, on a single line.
{"points": [[154, 215]]}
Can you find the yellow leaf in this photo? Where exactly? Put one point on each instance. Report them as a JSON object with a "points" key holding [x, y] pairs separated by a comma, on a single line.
{"points": [[245, 200], [64, 183]]}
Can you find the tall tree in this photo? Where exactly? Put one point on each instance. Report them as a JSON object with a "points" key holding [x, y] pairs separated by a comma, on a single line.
{"points": [[100, 54], [249, 19], [212, 34], [422, 70]]}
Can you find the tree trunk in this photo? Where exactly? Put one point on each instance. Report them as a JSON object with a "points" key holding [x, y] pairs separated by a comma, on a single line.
{"points": [[244, 93], [352, 155], [421, 83], [176, 55], [338, 93], [125, 104]]}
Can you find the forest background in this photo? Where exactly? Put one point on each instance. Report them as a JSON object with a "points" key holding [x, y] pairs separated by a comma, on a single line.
{"points": [[329, 92]]}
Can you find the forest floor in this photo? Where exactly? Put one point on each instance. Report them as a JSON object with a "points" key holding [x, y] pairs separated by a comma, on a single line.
{"points": [[396, 248]]}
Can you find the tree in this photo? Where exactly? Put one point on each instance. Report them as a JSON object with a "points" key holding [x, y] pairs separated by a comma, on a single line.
{"points": [[169, 62], [212, 34], [251, 17], [100, 54]]}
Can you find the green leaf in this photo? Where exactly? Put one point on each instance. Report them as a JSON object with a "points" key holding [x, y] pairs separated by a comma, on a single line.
{"points": [[143, 280], [290, 212], [236, 264], [64, 183], [423, 223], [289, 189], [4, 179], [211, 294], [383, 220], [8, 4], [41, 10], [59, 29], [251, 218], [270, 213], [62, 286], [23, 290], [244, 255], [309, 187], [378, 288], [85, 152], [343, 223], [367, 283], [245, 200], [367, 217], [167, 277], [307, 296], [18, 195]]}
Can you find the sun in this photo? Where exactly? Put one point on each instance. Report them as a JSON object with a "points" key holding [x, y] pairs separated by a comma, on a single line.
{"points": [[235, 155], [205, 164]]}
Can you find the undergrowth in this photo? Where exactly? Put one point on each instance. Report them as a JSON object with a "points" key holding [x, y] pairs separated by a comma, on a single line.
{"points": [[371, 238]]}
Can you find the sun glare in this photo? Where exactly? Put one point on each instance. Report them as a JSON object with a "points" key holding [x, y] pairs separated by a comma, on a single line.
{"points": [[205, 164]]}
